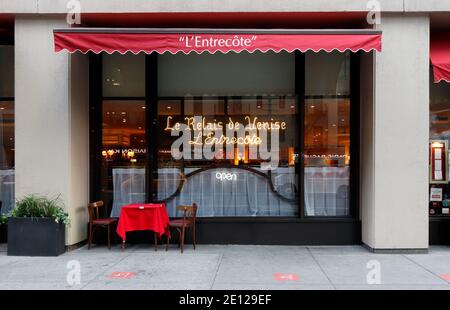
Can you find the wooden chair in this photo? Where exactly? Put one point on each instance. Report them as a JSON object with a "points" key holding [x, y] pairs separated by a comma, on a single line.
{"points": [[95, 221], [181, 224]]}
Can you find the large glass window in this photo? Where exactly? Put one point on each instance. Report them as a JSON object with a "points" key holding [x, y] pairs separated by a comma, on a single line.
{"points": [[439, 204], [210, 94], [6, 128], [225, 132], [124, 144], [327, 134]]}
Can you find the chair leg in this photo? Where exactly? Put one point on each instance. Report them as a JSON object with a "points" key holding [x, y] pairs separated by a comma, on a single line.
{"points": [[182, 240], [90, 237], [167, 242], [113, 236], [193, 236], [156, 241], [109, 238]]}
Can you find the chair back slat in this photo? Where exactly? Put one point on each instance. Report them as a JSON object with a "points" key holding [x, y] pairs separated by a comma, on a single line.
{"points": [[189, 213], [93, 210]]}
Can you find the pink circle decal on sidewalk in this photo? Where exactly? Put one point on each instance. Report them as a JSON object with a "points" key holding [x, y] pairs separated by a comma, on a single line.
{"points": [[285, 277], [122, 275], [446, 277]]}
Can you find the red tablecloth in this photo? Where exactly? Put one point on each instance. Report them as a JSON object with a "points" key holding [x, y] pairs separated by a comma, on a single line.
{"points": [[150, 216]]}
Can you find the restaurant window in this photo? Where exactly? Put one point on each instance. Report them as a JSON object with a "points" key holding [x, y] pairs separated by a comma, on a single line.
{"points": [[124, 143], [327, 134], [7, 180], [253, 174], [226, 131], [439, 199]]}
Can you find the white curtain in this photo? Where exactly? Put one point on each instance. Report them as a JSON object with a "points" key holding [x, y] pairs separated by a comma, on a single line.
{"points": [[244, 194], [327, 191], [128, 187], [7, 183]]}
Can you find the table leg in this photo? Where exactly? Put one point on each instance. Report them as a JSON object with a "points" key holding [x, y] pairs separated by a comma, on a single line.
{"points": [[156, 241], [123, 244]]}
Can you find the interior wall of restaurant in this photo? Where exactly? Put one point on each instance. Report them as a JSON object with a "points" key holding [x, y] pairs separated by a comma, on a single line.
{"points": [[394, 210], [51, 154]]}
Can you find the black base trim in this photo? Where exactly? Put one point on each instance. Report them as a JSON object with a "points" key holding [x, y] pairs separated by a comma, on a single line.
{"points": [[281, 232], [439, 230], [76, 246], [396, 251], [262, 231]]}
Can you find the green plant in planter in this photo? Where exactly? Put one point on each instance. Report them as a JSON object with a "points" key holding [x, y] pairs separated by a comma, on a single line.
{"points": [[3, 219], [35, 206]]}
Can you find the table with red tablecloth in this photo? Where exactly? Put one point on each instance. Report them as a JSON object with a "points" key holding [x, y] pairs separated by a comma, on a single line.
{"points": [[148, 216]]}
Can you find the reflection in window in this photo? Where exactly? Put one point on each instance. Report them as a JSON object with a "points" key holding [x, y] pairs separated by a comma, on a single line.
{"points": [[123, 75], [7, 179], [439, 111], [236, 177], [440, 130], [327, 134], [229, 74], [221, 90], [232, 183], [124, 153], [124, 145]]}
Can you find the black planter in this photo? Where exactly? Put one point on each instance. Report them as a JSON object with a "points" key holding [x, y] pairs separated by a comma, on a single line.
{"points": [[35, 237], [3, 230]]}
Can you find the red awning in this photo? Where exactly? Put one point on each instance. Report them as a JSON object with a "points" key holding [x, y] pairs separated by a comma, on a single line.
{"points": [[121, 40], [440, 56]]}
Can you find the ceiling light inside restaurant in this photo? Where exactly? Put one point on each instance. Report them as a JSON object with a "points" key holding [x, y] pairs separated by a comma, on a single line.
{"points": [[437, 144], [115, 77]]}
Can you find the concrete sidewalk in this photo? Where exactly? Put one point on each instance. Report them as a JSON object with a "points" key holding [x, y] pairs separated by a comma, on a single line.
{"points": [[227, 267]]}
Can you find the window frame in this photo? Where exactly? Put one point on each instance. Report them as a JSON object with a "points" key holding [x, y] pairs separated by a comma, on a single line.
{"points": [[9, 98], [10, 42], [151, 101]]}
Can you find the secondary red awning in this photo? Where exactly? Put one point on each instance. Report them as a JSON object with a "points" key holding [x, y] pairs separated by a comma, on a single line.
{"points": [[440, 56], [121, 40]]}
